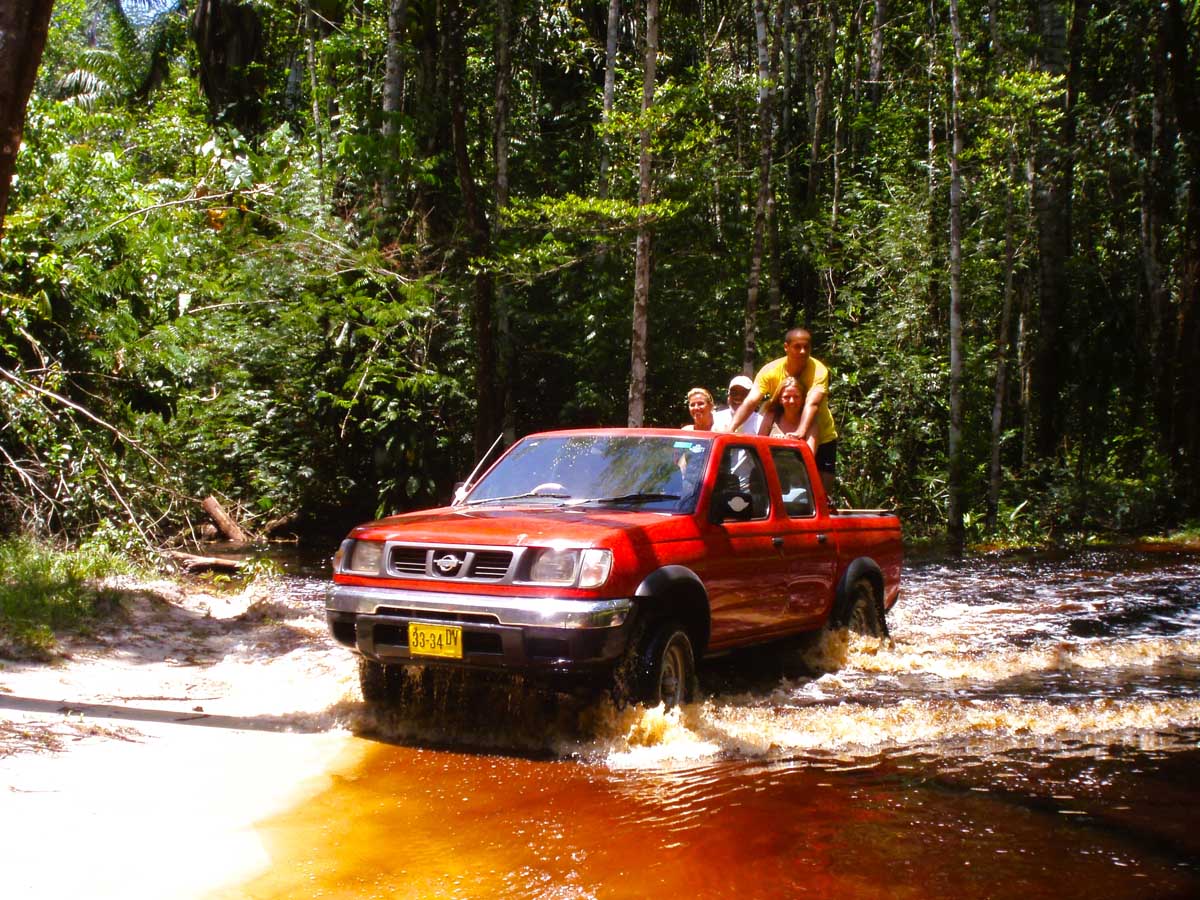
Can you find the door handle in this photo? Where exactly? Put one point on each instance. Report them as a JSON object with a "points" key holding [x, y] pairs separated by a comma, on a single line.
{"points": [[821, 538], [777, 543]]}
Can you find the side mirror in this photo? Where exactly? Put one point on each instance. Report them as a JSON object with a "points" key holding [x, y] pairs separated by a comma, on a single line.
{"points": [[730, 506], [460, 493]]}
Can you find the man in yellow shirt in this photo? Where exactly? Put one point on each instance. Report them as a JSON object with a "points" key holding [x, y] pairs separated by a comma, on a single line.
{"points": [[816, 422]]}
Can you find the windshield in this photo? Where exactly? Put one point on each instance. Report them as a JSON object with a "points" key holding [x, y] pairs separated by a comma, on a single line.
{"points": [[655, 473]]}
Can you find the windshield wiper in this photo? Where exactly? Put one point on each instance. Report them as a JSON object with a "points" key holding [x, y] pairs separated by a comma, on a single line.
{"points": [[528, 495], [640, 497]]}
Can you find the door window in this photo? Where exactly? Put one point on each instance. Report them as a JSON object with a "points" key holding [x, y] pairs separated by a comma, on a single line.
{"points": [[793, 482], [741, 471]]}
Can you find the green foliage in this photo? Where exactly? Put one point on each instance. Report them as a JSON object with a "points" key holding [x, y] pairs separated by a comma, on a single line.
{"points": [[46, 591], [188, 310]]}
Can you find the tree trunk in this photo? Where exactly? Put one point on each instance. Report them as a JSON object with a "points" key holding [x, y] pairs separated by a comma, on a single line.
{"points": [[749, 351], [310, 51], [229, 43], [875, 90], [488, 415], [23, 28], [506, 357], [821, 104], [641, 274], [610, 83], [1002, 340], [955, 486], [1006, 310], [1052, 199], [1177, 27], [1154, 142], [775, 269], [933, 229], [393, 96]]}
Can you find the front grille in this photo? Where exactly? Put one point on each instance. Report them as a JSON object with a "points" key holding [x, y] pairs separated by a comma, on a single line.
{"points": [[408, 561], [450, 563], [491, 564]]}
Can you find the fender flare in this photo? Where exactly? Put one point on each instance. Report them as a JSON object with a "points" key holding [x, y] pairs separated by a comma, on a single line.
{"points": [[669, 576], [863, 567], [670, 579]]}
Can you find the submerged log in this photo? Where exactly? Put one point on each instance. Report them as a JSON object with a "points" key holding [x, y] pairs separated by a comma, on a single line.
{"points": [[224, 521], [191, 562]]}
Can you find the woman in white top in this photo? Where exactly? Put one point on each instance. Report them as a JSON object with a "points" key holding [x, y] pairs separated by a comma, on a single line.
{"points": [[700, 406]]}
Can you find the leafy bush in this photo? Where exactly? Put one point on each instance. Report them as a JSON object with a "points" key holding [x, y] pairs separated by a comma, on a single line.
{"points": [[45, 590]]}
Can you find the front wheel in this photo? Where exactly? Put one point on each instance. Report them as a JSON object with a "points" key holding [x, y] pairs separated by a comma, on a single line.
{"points": [[378, 682], [659, 667]]}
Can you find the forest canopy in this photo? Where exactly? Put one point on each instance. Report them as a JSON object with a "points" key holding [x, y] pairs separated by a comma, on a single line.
{"points": [[313, 258]]}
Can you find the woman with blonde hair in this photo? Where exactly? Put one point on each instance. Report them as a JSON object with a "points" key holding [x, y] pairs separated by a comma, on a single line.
{"points": [[785, 411], [700, 406]]}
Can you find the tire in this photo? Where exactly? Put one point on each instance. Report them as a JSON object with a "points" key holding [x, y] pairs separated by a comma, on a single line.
{"points": [[861, 610], [377, 681], [659, 667], [413, 690]]}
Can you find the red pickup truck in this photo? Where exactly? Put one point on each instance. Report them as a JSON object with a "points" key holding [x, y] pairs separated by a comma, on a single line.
{"points": [[614, 557]]}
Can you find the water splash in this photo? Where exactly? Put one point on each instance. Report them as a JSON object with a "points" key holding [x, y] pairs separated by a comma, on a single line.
{"points": [[984, 654]]}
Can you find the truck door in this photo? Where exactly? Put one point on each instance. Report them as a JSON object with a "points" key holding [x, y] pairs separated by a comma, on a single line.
{"points": [[745, 572], [809, 548]]}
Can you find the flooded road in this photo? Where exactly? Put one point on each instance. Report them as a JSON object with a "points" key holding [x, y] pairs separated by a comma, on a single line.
{"points": [[1031, 730]]}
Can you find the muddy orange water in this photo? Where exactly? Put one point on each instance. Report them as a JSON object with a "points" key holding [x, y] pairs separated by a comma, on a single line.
{"points": [[1029, 731]]}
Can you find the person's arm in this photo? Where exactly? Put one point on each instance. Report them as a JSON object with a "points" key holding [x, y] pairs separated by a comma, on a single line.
{"points": [[766, 421], [807, 431], [749, 405]]}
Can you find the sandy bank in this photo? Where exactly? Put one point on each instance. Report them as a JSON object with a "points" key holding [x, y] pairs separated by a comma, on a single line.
{"points": [[138, 766]]}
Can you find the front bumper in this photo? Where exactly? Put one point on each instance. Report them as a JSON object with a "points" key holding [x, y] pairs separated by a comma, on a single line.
{"points": [[518, 633]]}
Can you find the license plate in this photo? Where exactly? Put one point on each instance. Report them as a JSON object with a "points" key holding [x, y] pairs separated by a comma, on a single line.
{"points": [[435, 640]]}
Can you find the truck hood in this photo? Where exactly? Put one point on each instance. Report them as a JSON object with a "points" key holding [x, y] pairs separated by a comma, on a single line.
{"points": [[525, 526]]}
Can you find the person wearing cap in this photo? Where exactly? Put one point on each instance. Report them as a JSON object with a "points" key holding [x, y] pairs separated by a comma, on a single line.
{"points": [[739, 389], [816, 421]]}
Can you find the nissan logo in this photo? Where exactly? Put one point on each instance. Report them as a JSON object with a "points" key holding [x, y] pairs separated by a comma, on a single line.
{"points": [[448, 563]]}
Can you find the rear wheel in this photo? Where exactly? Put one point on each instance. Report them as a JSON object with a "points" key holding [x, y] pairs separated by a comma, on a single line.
{"points": [[862, 610], [659, 667]]}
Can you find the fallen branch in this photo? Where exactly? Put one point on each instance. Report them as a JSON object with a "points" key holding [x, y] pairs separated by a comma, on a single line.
{"points": [[278, 524], [199, 198], [190, 562]]}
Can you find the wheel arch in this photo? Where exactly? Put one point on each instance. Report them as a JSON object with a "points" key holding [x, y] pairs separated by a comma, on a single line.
{"points": [[677, 592]]}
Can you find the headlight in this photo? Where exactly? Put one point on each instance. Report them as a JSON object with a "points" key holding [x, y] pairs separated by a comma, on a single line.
{"points": [[594, 568], [365, 557], [562, 566], [554, 566]]}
